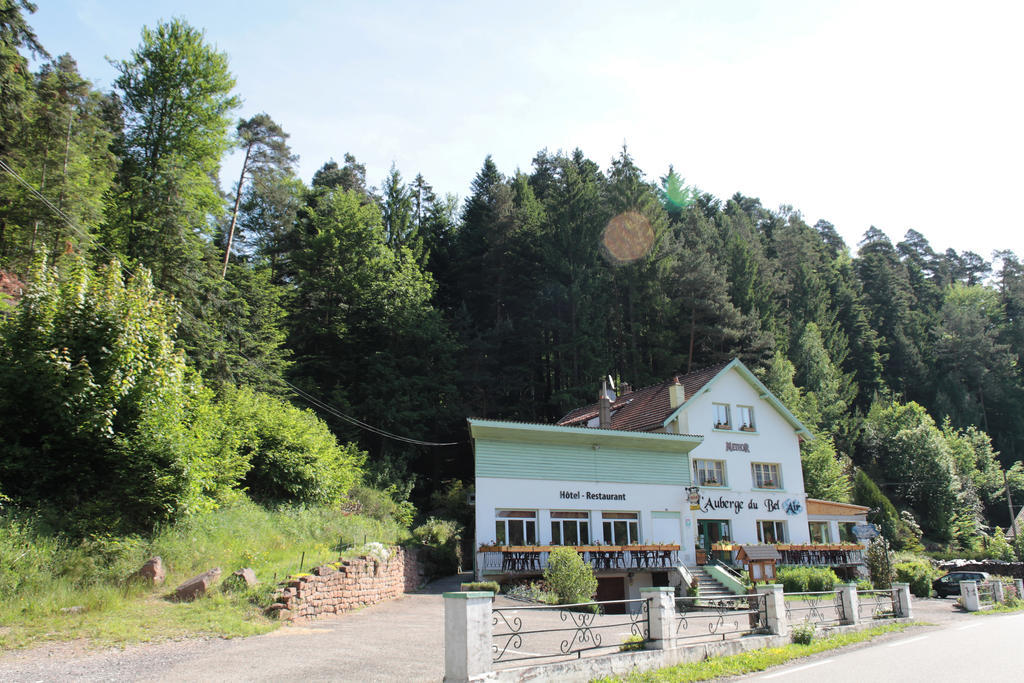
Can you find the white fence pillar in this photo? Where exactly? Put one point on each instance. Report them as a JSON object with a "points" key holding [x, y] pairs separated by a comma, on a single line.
{"points": [[467, 635], [848, 594], [969, 596], [901, 601], [1019, 585], [661, 617], [776, 608], [997, 592]]}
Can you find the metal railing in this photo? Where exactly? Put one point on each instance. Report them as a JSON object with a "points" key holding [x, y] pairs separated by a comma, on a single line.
{"points": [[698, 617], [535, 561], [876, 604], [986, 594], [846, 557], [550, 631], [818, 607], [729, 569]]}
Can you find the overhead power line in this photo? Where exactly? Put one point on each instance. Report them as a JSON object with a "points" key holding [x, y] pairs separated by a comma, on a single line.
{"points": [[309, 398]]}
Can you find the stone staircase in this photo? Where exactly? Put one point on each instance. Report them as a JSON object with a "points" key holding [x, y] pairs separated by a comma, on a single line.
{"points": [[707, 586]]}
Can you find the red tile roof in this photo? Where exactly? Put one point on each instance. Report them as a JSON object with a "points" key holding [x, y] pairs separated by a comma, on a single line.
{"points": [[645, 409]]}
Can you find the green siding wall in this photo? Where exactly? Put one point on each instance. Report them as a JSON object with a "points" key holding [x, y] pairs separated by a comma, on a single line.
{"points": [[556, 462]]}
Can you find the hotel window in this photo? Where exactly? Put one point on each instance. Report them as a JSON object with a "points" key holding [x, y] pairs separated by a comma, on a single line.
{"points": [[709, 472], [771, 532], [819, 532], [516, 527], [745, 418], [846, 532], [621, 528], [570, 528], [722, 416], [766, 475]]}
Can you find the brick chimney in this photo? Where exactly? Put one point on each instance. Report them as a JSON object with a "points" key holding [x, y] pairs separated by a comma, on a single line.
{"points": [[604, 406]]}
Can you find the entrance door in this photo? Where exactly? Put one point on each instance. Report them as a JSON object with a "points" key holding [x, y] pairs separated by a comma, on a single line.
{"points": [[612, 588], [712, 531], [665, 528]]}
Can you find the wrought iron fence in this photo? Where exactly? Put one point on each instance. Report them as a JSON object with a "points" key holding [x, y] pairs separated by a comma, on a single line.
{"points": [[736, 615], [876, 604], [547, 631], [819, 607]]}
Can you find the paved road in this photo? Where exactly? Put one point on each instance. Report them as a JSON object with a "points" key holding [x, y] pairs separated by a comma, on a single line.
{"points": [[971, 648], [400, 640]]}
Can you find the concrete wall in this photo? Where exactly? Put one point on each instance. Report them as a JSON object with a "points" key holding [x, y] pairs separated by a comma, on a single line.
{"points": [[348, 584]]}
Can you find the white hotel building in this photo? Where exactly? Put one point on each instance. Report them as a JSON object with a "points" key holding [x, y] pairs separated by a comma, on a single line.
{"points": [[651, 482]]}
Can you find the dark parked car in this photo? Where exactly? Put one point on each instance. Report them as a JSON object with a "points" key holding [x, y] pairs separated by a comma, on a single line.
{"points": [[950, 583]]}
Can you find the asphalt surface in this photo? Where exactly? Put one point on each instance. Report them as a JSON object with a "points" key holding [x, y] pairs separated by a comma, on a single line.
{"points": [[980, 648]]}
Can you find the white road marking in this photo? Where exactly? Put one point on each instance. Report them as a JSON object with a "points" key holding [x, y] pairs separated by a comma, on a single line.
{"points": [[799, 668], [964, 628], [908, 640]]}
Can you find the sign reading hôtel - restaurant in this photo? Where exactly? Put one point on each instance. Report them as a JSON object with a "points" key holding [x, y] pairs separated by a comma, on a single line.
{"points": [[590, 495]]}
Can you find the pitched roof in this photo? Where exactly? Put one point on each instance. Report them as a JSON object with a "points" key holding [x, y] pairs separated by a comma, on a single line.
{"points": [[816, 506], [1017, 526], [644, 409], [759, 552]]}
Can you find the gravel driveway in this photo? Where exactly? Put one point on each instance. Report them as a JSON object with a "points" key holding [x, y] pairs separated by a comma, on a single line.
{"points": [[399, 640]]}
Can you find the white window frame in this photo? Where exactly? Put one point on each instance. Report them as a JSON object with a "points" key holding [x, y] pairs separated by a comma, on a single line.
{"points": [[745, 419], [763, 469], [504, 520], [811, 524], [722, 410], [627, 521], [777, 526], [560, 519], [716, 470]]}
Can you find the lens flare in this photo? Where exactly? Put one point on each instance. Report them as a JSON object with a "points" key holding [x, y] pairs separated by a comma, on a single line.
{"points": [[627, 237]]}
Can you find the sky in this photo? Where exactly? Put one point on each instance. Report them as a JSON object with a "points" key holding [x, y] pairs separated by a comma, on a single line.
{"points": [[901, 115]]}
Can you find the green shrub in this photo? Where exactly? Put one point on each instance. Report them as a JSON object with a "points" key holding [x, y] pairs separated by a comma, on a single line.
{"points": [[633, 642], [803, 633], [864, 585], [93, 384], [800, 579], [293, 456], [533, 591], [999, 548], [441, 537], [569, 576], [919, 573], [384, 505], [491, 586], [879, 563]]}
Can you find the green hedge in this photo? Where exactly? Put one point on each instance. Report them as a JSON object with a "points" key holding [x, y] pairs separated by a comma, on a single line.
{"points": [[491, 586], [798, 579], [919, 574]]}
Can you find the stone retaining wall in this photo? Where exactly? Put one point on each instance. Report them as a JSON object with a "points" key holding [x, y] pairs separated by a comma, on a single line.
{"points": [[348, 584], [1014, 569]]}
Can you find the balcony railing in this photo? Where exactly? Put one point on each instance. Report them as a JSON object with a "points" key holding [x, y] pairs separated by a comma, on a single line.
{"points": [[534, 559], [811, 554]]}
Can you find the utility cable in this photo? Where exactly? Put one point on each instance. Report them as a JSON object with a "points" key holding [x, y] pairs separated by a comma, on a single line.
{"points": [[309, 398]]}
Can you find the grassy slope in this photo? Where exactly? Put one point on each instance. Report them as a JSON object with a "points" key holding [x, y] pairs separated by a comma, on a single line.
{"points": [[40, 575]]}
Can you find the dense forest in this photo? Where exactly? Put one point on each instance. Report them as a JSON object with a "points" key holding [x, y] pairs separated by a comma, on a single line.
{"points": [[171, 338]]}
